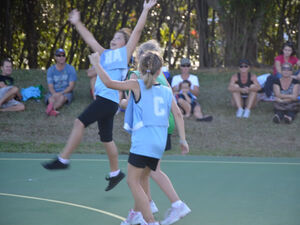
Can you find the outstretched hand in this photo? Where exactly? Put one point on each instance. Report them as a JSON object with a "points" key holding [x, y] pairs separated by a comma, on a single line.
{"points": [[148, 5], [74, 16], [94, 58]]}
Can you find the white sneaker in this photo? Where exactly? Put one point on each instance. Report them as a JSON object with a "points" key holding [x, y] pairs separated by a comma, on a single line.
{"points": [[153, 207], [246, 113], [174, 214], [134, 218], [239, 112]]}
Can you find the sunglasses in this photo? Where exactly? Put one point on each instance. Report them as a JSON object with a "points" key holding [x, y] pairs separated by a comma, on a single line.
{"points": [[286, 69], [244, 66], [60, 55], [186, 65]]}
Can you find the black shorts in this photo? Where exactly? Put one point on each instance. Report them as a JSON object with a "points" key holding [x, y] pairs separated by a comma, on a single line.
{"points": [[103, 111], [168, 144], [141, 161]]}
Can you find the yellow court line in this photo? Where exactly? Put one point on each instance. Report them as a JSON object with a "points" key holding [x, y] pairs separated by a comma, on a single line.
{"points": [[64, 203], [170, 161]]}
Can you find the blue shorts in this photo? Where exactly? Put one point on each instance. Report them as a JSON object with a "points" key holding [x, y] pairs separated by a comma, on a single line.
{"points": [[69, 97]]}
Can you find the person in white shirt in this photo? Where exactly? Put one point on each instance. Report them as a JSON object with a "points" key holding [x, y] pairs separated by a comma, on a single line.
{"points": [[185, 66], [183, 103]]}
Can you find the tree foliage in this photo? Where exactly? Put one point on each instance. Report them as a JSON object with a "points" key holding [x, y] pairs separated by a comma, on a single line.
{"points": [[212, 33]]}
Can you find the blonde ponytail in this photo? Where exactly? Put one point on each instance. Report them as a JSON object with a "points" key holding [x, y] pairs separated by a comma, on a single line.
{"points": [[149, 64]]}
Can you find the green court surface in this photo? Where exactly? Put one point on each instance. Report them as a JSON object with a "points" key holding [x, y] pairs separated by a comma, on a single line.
{"points": [[219, 191]]}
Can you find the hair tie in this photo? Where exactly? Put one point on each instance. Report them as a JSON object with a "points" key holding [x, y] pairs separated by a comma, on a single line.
{"points": [[148, 71]]}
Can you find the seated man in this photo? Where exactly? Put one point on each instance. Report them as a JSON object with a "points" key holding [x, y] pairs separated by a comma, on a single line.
{"points": [[8, 92], [61, 79], [243, 87]]}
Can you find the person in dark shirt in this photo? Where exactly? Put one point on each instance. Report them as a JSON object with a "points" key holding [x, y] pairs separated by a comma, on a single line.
{"points": [[8, 92], [243, 87], [286, 91]]}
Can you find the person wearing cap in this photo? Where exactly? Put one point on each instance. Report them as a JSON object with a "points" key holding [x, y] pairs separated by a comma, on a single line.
{"points": [[243, 87], [286, 91], [61, 79], [184, 103], [185, 66]]}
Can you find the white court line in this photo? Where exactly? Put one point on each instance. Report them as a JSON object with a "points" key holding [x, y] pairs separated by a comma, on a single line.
{"points": [[170, 161], [64, 203]]}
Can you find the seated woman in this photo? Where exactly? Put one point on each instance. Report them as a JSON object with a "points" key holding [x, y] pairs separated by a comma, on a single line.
{"points": [[286, 56], [286, 91], [187, 102], [244, 87]]}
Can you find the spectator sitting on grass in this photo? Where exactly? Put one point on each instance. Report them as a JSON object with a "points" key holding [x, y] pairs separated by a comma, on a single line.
{"points": [[286, 91], [187, 102], [61, 79], [8, 92], [243, 87], [185, 66]]}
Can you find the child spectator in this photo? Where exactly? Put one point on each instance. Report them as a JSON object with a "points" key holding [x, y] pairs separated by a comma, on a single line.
{"points": [[188, 102]]}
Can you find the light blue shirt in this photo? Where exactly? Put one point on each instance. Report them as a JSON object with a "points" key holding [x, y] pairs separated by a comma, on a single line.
{"points": [[114, 62], [148, 119], [61, 78]]}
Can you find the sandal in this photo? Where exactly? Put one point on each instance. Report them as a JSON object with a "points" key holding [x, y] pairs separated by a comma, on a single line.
{"points": [[276, 119], [205, 119]]}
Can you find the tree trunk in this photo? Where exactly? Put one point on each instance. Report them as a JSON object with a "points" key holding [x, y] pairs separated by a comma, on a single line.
{"points": [[202, 15], [32, 36]]}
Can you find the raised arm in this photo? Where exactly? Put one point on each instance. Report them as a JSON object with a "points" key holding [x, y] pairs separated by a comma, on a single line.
{"points": [[113, 84], [180, 127], [88, 37], [137, 31]]}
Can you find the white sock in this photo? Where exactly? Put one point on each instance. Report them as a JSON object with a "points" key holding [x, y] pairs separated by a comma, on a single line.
{"points": [[64, 161], [176, 204], [114, 173]]}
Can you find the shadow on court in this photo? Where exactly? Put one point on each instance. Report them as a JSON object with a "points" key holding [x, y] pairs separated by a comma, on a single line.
{"points": [[220, 191]]}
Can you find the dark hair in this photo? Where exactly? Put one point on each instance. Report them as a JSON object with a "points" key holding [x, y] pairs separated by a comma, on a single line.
{"points": [[244, 61], [5, 60], [185, 82], [288, 44]]}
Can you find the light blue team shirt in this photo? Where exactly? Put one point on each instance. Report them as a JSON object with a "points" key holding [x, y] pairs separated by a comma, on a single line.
{"points": [[61, 79], [114, 62], [148, 120]]}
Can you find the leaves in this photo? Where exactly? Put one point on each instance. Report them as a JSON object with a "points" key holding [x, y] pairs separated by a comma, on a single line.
{"points": [[212, 33]]}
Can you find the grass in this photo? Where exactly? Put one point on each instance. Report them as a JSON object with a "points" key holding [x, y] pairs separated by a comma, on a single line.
{"points": [[258, 136]]}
